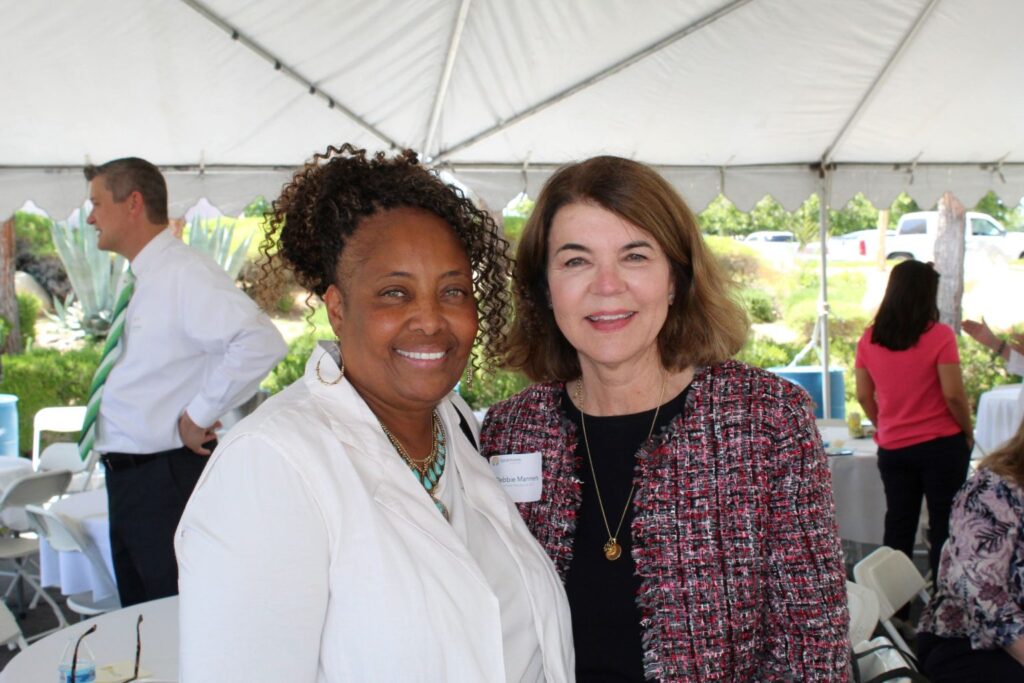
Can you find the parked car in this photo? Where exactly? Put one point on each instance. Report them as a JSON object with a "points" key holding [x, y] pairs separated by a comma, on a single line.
{"points": [[859, 244], [770, 236], [916, 233]]}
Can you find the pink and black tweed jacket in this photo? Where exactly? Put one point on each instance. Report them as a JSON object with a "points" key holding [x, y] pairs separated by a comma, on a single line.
{"points": [[735, 539]]}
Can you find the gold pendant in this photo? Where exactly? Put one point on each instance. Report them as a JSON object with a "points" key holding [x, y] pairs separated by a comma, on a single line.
{"points": [[612, 550]]}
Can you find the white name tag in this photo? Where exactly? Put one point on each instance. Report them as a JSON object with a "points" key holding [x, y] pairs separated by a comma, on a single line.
{"points": [[520, 475]]}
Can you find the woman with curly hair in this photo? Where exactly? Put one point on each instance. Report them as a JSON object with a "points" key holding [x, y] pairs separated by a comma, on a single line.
{"points": [[972, 631], [685, 497], [348, 530]]}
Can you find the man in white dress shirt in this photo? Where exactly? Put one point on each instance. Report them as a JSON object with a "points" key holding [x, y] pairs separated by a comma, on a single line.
{"points": [[194, 346], [1010, 350]]}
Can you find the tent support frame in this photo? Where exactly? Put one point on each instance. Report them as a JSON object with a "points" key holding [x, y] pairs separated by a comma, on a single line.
{"points": [[290, 72], [446, 75], [594, 78]]}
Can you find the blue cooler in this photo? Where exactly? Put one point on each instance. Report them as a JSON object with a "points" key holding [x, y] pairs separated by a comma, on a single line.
{"points": [[9, 425], [809, 377]]}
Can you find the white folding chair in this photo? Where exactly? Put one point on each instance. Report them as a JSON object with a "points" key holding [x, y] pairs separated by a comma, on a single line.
{"points": [[863, 606], [10, 632], [55, 419], [67, 538], [63, 455], [877, 657], [34, 489], [895, 581]]}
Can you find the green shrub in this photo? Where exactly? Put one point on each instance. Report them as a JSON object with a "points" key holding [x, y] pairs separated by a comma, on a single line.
{"points": [[760, 305], [766, 353], [487, 389], [846, 291], [292, 366], [740, 261], [981, 372], [28, 313], [47, 377], [32, 234]]}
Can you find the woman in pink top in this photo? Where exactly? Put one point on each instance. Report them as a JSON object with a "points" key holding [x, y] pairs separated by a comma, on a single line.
{"points": [[909, 384]]}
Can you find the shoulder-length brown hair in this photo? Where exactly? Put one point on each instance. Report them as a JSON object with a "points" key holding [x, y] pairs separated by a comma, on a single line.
{"points": [[1008, 460], [704, 325]]}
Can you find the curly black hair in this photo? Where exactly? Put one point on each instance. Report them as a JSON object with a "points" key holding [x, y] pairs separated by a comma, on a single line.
{"points": [[328, 199]]}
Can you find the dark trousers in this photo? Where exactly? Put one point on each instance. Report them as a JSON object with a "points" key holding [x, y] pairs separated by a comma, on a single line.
{"points": [[934, 469], [951, 660], [146, 495]]}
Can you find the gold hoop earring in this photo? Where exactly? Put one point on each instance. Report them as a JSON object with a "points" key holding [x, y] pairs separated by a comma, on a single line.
{"points": [[341, 370]]}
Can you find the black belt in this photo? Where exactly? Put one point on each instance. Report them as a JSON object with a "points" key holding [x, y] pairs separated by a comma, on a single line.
{"points": [[120, 461]]}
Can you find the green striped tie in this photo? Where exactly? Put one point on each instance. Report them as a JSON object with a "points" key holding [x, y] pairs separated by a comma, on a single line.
{"points": [[111, 352]]}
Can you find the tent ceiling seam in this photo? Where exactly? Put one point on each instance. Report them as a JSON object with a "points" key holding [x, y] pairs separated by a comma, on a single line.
{"points": [[869, 94], [595, 78], [811, 166], [994, 167], [446, 75], [279, 65]]}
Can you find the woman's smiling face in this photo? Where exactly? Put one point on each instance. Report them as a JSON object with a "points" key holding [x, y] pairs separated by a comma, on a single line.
{"points": [[405, 313], [610, 284]]}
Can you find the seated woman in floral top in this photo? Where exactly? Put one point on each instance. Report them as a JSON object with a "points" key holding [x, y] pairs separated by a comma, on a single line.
{"points": [[973, 629]]}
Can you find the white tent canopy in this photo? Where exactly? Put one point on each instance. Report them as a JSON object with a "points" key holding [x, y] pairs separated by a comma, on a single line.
{"points": [[741, 97]]}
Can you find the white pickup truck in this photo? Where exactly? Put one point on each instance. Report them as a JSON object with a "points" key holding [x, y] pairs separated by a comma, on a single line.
{"points": [[915, 237]]}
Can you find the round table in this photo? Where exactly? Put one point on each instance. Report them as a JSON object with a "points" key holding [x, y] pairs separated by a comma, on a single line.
{"points": [[1000, 412], [73, 571], [112, 643], [856, 486]]}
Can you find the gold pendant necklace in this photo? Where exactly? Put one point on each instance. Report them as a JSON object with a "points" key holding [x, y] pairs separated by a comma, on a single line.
{"points": [[612, 549], [428, 472]]}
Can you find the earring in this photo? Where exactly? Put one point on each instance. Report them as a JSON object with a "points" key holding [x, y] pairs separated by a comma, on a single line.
{"points": [[671, 298], [341, 370], [467, 380]]}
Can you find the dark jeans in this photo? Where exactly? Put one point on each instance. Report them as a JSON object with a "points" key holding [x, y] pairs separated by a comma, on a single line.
{"points": [[951, 660], [146, 499], [934, 469]]}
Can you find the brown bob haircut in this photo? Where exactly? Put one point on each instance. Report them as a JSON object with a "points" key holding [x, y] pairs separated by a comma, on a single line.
{"points": [[705, 324]]}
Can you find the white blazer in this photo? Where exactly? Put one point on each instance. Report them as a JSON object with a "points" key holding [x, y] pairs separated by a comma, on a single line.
{"points": [[308, 552]]}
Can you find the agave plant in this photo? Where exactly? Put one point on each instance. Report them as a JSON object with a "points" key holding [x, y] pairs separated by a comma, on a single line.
{"points": [[94, 275], [214, 237]]}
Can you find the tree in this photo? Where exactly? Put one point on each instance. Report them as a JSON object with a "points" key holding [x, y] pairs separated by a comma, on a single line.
{"points": [[721, 217], [768, 214], [514, 217], [1011, 218], [858, 214], [901, 205]]}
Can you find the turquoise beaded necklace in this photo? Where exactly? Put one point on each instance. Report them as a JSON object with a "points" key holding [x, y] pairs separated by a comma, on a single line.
{"points": [[428, 473]]}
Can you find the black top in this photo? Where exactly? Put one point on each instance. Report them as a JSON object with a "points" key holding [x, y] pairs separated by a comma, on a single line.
{"points": [[602, 593]]}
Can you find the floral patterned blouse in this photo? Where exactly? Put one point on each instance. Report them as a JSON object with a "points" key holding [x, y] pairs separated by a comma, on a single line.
{"points": [[980, 591]]}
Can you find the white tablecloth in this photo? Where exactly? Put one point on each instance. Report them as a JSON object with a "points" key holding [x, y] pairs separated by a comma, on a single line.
{"points": [[72, 571], [1000, 412], [113, 641], [856, 486]]}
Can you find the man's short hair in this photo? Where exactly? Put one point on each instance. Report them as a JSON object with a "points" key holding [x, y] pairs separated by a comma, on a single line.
{"points": [[131, 174]]}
